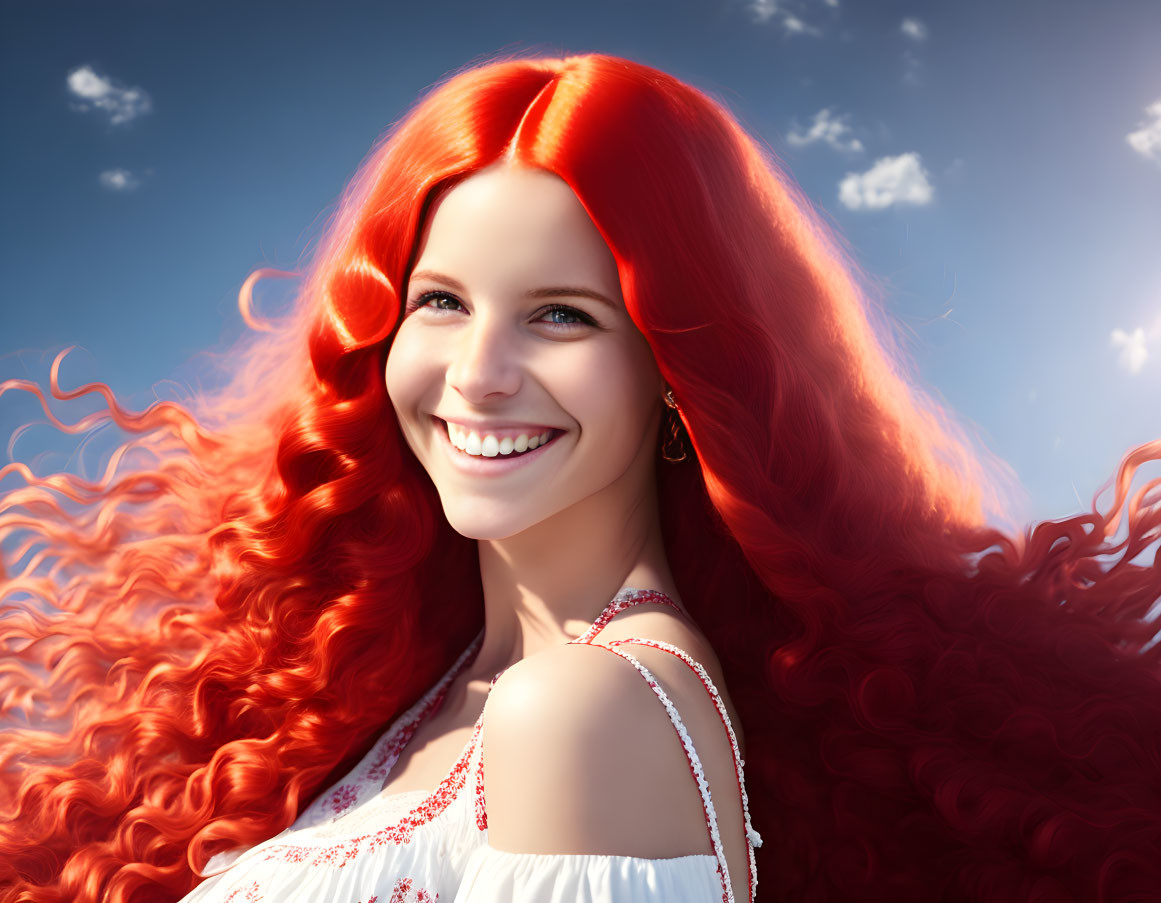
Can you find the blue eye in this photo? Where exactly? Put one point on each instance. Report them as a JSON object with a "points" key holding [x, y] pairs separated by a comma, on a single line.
{"points": [[558, 316], [578, 318]]}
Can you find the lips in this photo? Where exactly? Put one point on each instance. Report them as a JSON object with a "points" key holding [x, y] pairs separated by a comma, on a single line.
{"points": [[492, 464]]}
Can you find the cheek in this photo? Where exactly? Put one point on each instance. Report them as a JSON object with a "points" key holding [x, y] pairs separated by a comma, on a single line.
{"points": [[405, 373], [614, 389], [408, 380]]}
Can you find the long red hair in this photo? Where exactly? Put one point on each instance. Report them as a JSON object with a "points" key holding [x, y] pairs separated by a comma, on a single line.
{"points": [[263, 578]]}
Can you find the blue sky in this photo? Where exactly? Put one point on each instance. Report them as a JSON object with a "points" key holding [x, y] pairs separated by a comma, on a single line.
{"points": [[994, 166]]}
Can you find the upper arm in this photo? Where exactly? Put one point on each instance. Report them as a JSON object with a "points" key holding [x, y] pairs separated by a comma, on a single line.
{"points": [[581, 757]]}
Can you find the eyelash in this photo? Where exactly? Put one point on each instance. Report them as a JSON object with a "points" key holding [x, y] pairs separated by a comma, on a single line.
{"points": [[583, 318]]}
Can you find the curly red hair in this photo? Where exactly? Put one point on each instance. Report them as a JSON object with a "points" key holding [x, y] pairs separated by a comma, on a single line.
{"points": [[262, 578]]}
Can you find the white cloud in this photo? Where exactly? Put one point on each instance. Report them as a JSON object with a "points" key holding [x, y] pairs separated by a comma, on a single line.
{"points": [[119, 180], [828, 128], [914, 29], [1147, 139], [764, 10], [93, 91], [779, 11], [1133, 351], [1134, 346], [795, 25], [892, 180]]}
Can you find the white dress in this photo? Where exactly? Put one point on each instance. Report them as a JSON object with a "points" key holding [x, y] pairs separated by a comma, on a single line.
{"points": [[354, 844]]}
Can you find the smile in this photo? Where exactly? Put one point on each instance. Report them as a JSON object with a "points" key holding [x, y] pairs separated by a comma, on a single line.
{"points": [[492, 453]]}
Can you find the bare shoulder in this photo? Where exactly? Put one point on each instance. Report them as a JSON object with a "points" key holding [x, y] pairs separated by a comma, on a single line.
{"points": [[676, 629], [581, 757]]}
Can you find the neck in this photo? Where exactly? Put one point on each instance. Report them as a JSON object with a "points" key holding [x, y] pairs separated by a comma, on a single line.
{"points": [[546, 585]]}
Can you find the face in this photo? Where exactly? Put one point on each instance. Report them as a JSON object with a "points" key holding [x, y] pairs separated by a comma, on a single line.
{"points": [[519, 381]]}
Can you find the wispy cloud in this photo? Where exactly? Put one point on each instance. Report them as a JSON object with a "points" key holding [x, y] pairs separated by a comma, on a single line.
{"points": [[1133, 351], [891, 181], [764, 10], [787, 13], [1146, 140], [795, 25], [98, 92], [119, 180], [914, 29], [828, 128], [912, 67], [1134, 346]]}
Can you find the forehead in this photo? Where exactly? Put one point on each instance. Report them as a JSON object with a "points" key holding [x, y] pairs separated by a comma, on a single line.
{"points": [[515, 223]]}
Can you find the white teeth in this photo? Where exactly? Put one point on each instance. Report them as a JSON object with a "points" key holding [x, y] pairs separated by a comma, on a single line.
{"points": [[488, 446]]}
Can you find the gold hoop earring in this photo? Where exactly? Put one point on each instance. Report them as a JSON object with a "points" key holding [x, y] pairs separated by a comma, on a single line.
{"points": [[673, 442]]}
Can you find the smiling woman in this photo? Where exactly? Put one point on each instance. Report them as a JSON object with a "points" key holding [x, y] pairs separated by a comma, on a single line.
{"points": [[498, 360], [577, 513]]}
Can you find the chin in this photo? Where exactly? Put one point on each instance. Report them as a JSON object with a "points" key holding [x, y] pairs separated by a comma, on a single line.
{"points": [[477, 522]]}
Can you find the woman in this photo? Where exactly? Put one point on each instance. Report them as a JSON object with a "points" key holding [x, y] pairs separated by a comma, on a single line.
{"points": [[441, 483]]}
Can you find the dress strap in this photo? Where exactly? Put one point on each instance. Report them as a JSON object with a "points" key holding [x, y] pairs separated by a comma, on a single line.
{"points": [[753, 838], [626, 598], [691, 756]]}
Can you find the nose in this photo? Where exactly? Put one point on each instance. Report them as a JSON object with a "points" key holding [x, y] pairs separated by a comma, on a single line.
{"points": [[484, 361]]}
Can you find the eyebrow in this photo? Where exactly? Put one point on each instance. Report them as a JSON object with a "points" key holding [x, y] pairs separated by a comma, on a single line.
{"points": [[553, 292]]}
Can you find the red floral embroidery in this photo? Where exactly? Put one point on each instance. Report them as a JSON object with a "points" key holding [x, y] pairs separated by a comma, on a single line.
{"points": [[386, 757], [399, 893], [342, 799], [251, 890], [481, 809], [342, 852], [628, 600]]}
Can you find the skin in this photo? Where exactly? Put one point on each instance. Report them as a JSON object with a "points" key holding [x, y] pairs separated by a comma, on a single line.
{"points": [[561, 534], [558, 536]]}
